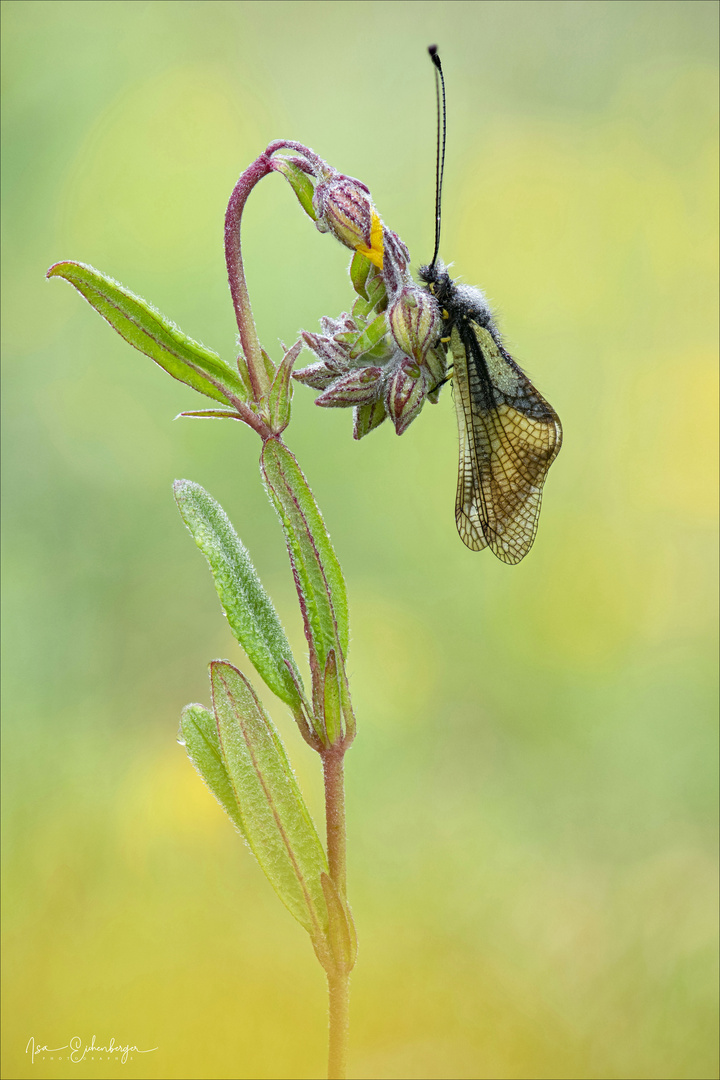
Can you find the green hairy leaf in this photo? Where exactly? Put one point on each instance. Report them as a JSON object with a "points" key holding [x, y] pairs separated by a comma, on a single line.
{"points": [[318, 576], [250, 612], [199, 736], [275, 820], [147, 330]]}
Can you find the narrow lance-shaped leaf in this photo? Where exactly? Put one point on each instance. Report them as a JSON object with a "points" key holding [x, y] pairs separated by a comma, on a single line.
{"points": [[152, 333], [319, 580], [275, 819], [210, 414], [199, 736], [250, 611], [280, 394]]}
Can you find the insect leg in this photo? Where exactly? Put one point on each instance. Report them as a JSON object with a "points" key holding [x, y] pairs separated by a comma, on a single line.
{"points": [[442, 382]]}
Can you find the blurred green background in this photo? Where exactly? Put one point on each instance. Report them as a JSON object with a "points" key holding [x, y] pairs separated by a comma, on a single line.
{"points": [[531, 795]]}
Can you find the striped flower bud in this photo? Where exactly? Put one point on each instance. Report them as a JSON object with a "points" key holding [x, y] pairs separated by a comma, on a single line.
{"points": [[396, 259], [415, 322], [319, 376], [356, 388], [344, 208], [405, 394]]}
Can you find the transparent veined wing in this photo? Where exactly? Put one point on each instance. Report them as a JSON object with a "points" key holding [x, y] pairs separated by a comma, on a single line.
{"points": [[509, 437]]}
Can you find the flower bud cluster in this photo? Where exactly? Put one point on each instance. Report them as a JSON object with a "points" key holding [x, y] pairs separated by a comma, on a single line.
{"points": [[383, 359], [397, 373]]}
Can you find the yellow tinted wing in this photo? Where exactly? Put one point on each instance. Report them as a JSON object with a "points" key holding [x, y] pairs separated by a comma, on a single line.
{"points": [[509, 437]]}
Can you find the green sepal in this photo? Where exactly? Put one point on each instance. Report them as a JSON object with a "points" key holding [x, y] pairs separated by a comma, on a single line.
{"points": [[318, 578], [300, 182], [368, 417], [199, 736], [359, 269], [152, 333], [275, 819], [250, 612]]}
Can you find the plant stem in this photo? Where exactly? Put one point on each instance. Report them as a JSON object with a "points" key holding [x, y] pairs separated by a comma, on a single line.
{"points": [[338, 1025], [236, 274], [338, 981], [333, 770]]}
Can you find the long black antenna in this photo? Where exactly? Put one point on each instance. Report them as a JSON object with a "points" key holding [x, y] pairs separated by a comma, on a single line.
{"points": [[441, 130]]}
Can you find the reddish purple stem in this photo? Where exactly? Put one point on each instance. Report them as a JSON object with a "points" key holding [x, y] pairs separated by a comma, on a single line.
{"points": [[236, 273], [233, 256]]}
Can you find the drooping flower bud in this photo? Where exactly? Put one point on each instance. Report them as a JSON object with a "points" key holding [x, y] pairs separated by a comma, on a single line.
{"points": [[356, 388], [319, 376], [326, 349], [345, 209], [405, 393], [396, 259], [415, 322]]}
